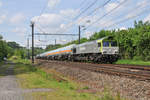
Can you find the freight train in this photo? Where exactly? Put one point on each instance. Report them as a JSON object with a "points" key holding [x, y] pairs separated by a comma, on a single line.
{"points": [[103, 50]]}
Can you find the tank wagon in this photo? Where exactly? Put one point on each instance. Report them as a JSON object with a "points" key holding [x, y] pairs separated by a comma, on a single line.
{"points": [[104, 50]]}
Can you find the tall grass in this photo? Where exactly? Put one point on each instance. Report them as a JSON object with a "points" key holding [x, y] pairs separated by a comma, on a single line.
{"points": [[133, 62]]}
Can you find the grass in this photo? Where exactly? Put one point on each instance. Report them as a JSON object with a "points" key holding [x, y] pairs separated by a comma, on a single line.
{"points": [[32, 77], [133, 62], [16, 59], [3, 68], [1, 63]]}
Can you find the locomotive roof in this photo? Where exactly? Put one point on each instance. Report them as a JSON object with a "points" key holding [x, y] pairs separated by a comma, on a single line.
{"points": [[56, 50], [90, 42], [102, 38], [70, 46]]}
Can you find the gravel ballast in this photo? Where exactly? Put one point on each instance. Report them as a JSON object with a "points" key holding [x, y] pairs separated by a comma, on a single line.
{"points": [[131, 89]]}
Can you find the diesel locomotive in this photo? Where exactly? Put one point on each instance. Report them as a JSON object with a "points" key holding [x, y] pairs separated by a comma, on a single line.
{"points": [[104, 50]]}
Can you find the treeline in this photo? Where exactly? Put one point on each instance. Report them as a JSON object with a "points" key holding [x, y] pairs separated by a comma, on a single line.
{"points": [[4, 48], [9, 49], [134, 43], [13, 49], [21, 52]]}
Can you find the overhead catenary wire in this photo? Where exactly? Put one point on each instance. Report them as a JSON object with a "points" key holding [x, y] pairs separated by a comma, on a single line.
{"points": [[42, 11], [119, 5], [121, 21], [128, 17], [95, 10], [92, 4], [90, 13], [82, 12], [45, 6], [74, 17], [99, 7], [82, 3], [124, 20]]}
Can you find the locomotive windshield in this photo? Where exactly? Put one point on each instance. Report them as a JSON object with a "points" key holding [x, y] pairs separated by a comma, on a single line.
{"points": [[113, 43], [105, 44]]}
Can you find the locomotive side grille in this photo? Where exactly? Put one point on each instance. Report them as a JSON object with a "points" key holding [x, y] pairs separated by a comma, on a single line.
{"points": [[110, 50]]}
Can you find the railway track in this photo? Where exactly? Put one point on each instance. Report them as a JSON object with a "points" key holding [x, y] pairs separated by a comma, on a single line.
{"points": [[136, 72]]}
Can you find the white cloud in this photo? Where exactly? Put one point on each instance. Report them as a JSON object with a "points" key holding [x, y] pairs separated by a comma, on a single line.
{"points": [[1, 4], [2, 18], [140, 7], [69, 13], [48, 19], [37, 42], [50, 22], [88, 34], [123, 28], [143, 3], [87, 20], [106, 23], [17, 19], [20, 31], [62, 26], [55, 22], [95, 23], [147, 18], [53, 3], [122, 6], [61, 41], [110, 6]]}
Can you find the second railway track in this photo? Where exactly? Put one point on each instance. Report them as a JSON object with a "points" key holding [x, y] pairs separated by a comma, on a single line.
{"points": [[136, 72]]}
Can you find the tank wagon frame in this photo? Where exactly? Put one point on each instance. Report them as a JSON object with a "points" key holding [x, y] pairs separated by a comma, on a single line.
{"points": [[104, 50]]}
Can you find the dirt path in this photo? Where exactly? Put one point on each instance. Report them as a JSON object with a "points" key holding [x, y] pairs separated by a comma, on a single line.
{"points": [[9, 89]]}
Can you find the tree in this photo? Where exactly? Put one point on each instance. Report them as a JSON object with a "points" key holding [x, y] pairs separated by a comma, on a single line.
{"points": [[3, 49], [14, 45]]}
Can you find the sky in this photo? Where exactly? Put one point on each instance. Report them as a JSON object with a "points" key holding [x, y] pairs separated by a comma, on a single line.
{"points": [[64, 16]]}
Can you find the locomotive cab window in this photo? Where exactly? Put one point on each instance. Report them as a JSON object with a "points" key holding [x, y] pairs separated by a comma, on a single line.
{"points": [[99, 44], [113, 43], [106, 44]]}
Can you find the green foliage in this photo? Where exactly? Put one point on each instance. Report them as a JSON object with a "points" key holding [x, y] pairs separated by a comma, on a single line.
{"points": [[38, 50], [1, 37], [134, 43], [133, 62], [101, 34], [53, 47], [21, 53], [8, 49], [33, 77], [4, 49], [14, 45], [16, 50], [86, 88]]}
